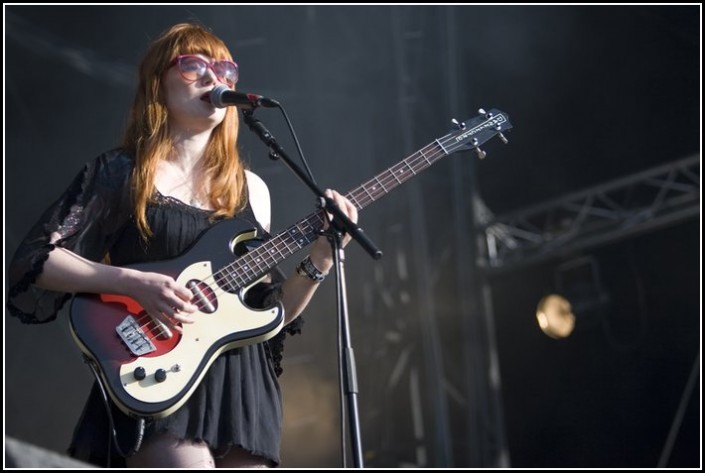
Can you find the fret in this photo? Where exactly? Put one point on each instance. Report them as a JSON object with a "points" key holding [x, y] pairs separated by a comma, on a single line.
{"points": [[273, 253], [406, 161], [380, 184], [245, 269], [232, 279], [423, 155], [368, 192], [354, 196], [285, 242], [278, 248], [264, 259], [296, 235], [441, 146], [257, 259], [354, 200], [395, 175]]}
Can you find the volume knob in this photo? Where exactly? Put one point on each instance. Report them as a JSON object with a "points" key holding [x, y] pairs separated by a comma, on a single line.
{"points": [[139, 373], [160, 375]]}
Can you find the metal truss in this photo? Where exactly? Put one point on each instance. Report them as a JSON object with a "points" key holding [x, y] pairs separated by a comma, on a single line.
{"points": [[410, 27], [659, 197]]}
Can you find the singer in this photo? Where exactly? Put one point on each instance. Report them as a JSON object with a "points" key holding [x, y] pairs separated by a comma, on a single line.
{"points": [[176, 175]]}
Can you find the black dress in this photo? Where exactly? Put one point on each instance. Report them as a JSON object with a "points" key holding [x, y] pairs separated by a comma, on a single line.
{"points": [[238, 402]]}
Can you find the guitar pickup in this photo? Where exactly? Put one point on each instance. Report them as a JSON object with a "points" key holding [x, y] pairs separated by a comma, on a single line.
{"points": [[134, 337]]}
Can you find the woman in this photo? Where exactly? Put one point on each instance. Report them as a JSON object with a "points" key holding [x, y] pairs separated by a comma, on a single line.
{"points": [[176, 175]]}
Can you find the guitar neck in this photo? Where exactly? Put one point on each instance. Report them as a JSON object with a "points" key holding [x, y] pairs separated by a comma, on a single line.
{"points": [[259, 261], [469, 135], [383, 183]]}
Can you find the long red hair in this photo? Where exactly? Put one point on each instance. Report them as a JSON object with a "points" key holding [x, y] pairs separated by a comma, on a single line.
{"points": [[148, 136]]}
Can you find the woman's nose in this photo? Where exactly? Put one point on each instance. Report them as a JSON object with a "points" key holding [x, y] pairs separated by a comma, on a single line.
{"points": [[209, 76]]}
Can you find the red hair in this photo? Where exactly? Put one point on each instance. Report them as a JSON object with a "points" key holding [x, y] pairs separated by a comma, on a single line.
{"points": [[148, 136]]}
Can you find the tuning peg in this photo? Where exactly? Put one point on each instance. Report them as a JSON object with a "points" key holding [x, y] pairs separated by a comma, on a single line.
{"points": [[501, 136], [458, 125], [480, 154], [482, 111]]}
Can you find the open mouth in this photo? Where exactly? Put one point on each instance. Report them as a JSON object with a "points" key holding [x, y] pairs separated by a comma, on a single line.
{"points": [[206, 97]]}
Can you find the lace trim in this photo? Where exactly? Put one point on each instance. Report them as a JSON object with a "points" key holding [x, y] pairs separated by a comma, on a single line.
{"points": [[37, 267], [29, 319], [25, 284], [172, 202]]}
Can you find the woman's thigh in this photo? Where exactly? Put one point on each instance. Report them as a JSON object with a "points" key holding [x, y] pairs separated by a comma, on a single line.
{"points": [[239, 458], [166, 451]]}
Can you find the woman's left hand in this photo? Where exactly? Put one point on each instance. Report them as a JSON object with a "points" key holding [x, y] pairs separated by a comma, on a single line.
{"points": [[321, 255]]}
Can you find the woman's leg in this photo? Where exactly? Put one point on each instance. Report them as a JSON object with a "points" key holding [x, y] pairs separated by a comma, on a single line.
{"points": [[239, 458], [166, 451]]}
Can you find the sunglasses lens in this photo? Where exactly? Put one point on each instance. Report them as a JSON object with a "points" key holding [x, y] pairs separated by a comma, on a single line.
{"points": [[192, 68], [227, 72]]}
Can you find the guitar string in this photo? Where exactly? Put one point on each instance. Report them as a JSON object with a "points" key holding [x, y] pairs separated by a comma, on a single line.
{"points": [[285, 241], [394, 176], [391, 176]]}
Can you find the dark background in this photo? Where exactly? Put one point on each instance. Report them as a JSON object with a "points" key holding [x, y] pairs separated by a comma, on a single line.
{"points": [[595, 93]]}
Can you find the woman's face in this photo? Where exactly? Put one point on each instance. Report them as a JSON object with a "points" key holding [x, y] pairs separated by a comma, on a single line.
{"points": [[190, 111]]}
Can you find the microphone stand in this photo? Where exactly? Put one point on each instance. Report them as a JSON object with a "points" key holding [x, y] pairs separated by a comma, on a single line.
{"points": [[339, 225]]}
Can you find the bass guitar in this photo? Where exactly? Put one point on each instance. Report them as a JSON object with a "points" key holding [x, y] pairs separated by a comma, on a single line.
{"points": [[149, 370]]}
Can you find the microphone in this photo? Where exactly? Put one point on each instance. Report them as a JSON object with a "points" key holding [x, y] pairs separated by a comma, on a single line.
{"points": [[222, 97]]}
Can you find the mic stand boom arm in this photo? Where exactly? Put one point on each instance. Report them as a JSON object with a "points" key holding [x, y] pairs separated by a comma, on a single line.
{"points": [[340, 225], [340, 220]]}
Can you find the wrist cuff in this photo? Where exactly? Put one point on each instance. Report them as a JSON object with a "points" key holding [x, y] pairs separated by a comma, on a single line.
{"points": [[307, 269]]}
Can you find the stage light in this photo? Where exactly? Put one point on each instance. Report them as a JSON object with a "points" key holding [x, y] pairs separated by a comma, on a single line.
{"points": [[555, 316]]}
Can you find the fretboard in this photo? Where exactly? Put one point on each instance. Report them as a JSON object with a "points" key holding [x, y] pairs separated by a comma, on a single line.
{"points": [[262, 259]]}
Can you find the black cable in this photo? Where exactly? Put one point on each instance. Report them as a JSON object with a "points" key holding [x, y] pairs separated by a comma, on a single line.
{"points": [[112, 431], [296, 142]]}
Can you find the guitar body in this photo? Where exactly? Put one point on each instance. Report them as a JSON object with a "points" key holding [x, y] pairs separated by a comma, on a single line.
{"points": [[150, 371]]}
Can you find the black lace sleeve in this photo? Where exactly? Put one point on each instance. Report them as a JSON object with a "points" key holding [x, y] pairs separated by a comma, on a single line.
{"points": [[86, 219]]}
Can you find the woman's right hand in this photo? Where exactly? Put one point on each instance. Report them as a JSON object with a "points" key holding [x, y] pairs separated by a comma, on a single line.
{"points": [[161, 297]]}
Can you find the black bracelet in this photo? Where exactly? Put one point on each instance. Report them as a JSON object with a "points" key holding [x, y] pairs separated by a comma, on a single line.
{"points": [[307, 269]]}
